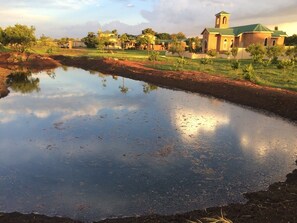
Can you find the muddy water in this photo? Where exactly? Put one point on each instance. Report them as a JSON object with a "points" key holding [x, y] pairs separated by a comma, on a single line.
{"points": [[89, 146]]}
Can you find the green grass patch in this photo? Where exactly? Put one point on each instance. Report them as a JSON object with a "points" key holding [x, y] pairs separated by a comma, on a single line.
{"points": [[263, 75]]}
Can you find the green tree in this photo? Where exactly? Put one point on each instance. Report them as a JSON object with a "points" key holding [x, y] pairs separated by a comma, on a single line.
{"points": [[19, 37], [177, 47], [91, 40], [194, 44], [234, 52], [124, 40], [273, 52], [292, 53], [179, 36], [1, 36], [148, 31], [291, 40], [163, 36], [257, 52]]}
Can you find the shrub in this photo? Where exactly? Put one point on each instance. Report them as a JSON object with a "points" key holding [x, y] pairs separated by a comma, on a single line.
{"points": [[206, 61], [234, 52], [179, 65], [235, 64], [212, 53], [257, 52], [285, 64], [249, 73], [154, 56]]}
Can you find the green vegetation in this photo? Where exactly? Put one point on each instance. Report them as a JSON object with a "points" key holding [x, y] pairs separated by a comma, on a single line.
{"points": [[291, 40], [91, 40], [19, 37]]}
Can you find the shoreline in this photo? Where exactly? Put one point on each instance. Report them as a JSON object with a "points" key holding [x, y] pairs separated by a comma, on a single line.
{"points": [[280, 102], [276, 204]]}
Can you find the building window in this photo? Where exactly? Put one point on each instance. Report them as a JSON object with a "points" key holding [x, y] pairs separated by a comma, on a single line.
{"points": [[273, 43], [225, 44], [218, 21], [265, 42], [225, 20]]}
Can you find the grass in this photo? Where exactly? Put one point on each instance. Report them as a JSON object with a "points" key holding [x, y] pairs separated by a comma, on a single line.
{"points": [[266, 76]]}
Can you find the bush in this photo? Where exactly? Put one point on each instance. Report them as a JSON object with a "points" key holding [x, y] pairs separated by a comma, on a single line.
{"points": [[249, 73], [234, 52], [235, 64], [179, 65], [206, 61], [285, 64], [212, 53], [154, 56], [257, 52]]}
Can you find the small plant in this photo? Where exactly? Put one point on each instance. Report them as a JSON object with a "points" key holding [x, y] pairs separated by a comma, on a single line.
{"points": [[266, 63], [206, 61], [249, 73], [234, 52], [154, 56], [285, 64], [212, 53], [49, 50], [257, 52], [179, 65], [235, 64]]}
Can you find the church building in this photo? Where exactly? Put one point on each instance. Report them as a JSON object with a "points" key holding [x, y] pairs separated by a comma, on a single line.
{"points": [[223, 38]]}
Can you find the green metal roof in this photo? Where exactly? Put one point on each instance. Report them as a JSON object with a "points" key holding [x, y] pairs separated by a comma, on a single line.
{"points": [[236, 31], [278, 33], [223, 13]]}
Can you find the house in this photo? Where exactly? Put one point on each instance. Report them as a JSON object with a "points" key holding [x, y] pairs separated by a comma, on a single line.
{"points": [[223, 38], [110, 39]]}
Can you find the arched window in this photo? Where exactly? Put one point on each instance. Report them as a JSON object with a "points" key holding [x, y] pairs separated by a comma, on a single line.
{"points": [[232, 44], [273, 43], [225, 20], [218, 21], [265, 42], [225, 44]]}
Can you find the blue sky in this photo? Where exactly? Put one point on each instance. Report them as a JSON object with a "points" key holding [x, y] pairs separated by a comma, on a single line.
{"points": [[75, 18]]}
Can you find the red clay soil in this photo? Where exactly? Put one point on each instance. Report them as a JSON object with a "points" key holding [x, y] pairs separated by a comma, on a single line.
{"points": [[3, 88], [280, 102]]}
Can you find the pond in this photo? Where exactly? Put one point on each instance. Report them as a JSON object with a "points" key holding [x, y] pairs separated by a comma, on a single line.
{"points": [[91, 146]]}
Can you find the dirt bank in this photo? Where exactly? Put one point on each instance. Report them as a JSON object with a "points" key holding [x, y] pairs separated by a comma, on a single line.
{"points": [[280, 102], [3, 88], [28, 60], [11, 62]]}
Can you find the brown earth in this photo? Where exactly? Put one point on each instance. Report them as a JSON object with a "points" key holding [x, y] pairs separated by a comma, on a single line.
{"points": [[277, 204]]}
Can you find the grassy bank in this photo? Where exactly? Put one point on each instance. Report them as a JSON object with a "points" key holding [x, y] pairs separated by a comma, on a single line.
{"points": [[266, 76]]}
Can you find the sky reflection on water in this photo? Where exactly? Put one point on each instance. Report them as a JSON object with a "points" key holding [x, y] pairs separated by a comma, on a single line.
{"points": [[90, 146]]}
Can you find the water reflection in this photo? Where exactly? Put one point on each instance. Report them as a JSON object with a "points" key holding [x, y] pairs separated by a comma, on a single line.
{"points": [[81, 148], [23, 82]]}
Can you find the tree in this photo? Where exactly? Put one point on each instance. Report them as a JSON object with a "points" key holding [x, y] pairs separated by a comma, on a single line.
{"points": [[179, 36], [292, 53], [291, 40], [257, 52], [124, 39], [194, 44], [234, 52], [148, 31], [273, 52], [163, 36], [19, 37], [177, 47], [91, 40], [1, 36]]}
